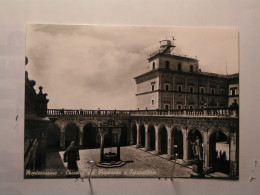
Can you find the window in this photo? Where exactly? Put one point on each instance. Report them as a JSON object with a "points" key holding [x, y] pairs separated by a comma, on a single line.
{"points": [[153, 86], [153, 65], [166, 107], [191, 68], [179, 67], [167, 64], [179, 106], [191, 89], [152, 102], [167, 86], [213, 91], [202, 91], [179, 88], [233, 92], [222, 91], [191, 107]]}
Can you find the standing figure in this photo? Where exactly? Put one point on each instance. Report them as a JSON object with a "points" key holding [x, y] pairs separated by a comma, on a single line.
{"points": [[197, 148], [71, 155]]}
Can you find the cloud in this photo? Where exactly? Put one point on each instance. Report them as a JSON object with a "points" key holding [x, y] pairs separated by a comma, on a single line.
{"points": [[93, 66]]}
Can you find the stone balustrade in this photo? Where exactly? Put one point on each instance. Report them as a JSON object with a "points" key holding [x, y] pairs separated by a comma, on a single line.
{"points": [[207, 112]]}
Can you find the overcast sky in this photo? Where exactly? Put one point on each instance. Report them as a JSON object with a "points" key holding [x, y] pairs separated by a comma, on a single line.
{"points": [[89, 67]]}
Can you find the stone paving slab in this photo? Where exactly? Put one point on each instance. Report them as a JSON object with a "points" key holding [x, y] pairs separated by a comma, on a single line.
{"points": [[139, 164]]}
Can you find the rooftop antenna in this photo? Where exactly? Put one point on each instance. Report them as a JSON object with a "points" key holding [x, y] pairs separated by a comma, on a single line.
{"points": [[226, 67]]}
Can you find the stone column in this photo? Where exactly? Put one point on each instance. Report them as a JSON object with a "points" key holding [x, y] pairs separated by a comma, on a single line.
{"points": [[233, 155], [62, 137], [132, 135], [118, 147], [157, 140], [146, 138], [129, 132], [138, 140], [206, 151], [185, 144], [102, 148], [81, 132], [170, 144]]}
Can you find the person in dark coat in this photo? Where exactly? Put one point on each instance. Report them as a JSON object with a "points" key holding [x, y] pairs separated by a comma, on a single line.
{"points": [[71, 155]]}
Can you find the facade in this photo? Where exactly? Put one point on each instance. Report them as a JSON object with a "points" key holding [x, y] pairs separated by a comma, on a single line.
{"points": [[176, 82]]}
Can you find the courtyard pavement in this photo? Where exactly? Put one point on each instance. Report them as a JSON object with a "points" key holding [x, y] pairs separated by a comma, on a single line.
{"points": [[138, 164]]}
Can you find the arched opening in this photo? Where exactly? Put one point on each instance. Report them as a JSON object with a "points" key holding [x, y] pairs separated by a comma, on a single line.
{"points": [[123, 137], [193, 134], [134, 134], [163, 140], [177, 144], [90, 136], [151, 136], [219, 152], [142, 135], [53, 139], [71, 134]]}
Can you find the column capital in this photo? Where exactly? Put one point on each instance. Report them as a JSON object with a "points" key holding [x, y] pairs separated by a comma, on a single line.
{"points": [[62, 128], [169, 129], [156, 128]]}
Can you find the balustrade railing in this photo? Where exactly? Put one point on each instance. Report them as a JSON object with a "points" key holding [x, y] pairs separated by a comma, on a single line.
{"points": [[206, 112], [60, 112], [220, 112]]}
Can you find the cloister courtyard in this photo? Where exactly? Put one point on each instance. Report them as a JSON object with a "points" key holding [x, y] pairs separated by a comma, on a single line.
{"points": [[139, 164]]}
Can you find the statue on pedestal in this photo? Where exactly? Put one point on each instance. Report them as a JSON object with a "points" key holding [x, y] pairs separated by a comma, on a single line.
{"points": [[197, 149]]}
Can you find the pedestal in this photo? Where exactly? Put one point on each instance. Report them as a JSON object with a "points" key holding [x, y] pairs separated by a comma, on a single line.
{"points": [[197, 169]]}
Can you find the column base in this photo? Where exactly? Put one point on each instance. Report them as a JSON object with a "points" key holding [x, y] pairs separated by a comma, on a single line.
{"points": [[132, 143], [138, 146], [170, 157], [147, 149], [157, 153], [207, 170]]}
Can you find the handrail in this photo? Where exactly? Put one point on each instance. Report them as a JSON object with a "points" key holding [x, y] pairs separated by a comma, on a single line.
{"points": [[220, 112]]}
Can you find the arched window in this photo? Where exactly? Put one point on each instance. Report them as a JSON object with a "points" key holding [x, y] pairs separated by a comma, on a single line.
{"points": [[167, 64], [179, 67], [213, 91], [153, 65], [191, 89], [191, 68]]}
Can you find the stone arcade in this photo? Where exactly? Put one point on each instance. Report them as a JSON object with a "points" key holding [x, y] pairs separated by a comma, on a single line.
{"points": [[163, 132]]}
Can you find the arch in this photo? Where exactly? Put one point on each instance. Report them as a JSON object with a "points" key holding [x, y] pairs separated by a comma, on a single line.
{"points": [[134, 134], [142, 135], [151, 137], [219, 152], [192, 134], [215, 130], [53, 138], [160, 126], [71, 134], [163, 136], [177, 142], [90, 136]]}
